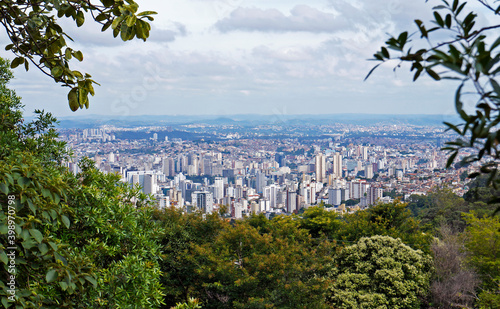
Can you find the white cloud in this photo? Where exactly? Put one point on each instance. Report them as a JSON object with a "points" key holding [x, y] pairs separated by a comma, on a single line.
{"points": [[301, 18]]}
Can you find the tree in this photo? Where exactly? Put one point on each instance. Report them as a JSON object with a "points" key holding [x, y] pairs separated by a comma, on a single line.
{"points": [[111, 225], [319, 221], [37, 37], [34, 192], [482, 240], [454, 282], [84, 241], [392, 219], [379, 272], [468, 52], [283, 268], [178, 235]]}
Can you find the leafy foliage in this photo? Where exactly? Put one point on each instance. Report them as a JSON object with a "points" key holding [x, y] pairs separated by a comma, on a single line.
{"points": [[80, 242], [443, 207], [273, 265], [470, 54], [37, 37], [379, 272], [482, 240], [119, 238], [392, 219]]}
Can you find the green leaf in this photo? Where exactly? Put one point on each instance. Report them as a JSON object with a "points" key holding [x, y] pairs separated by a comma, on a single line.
{"points": [[496, 86], [448, 21], [5, 302], [43, 248], [61, 258], [53, 245], [439, 19], [385, 52], [16, 62], [147, 13], [80, 19], [37, 235], [78, 55], [65, 221], [64, 285], [57, 71], [433, 74], [451, 159], [91, 280], [131, 20], [46, 193], [3, 257], [73, 99], [371, 71], [23, 181], [452, 127], [67, 53], [116, 22], [51, 276], [4, 188]]}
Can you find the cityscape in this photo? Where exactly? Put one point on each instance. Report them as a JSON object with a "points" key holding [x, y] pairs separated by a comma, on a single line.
{"points": [[271, 168], [229, 154]]}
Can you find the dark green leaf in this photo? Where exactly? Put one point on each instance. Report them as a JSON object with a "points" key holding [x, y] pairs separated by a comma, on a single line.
{"points": [[37, 235], [4, 188], [65, 221], [91, 280], [51, 276], [439, 19], [451, 159], [43, 248], [73, 99]]}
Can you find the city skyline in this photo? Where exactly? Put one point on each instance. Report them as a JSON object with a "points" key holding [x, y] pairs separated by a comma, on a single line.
{"points": [[225, 57]]}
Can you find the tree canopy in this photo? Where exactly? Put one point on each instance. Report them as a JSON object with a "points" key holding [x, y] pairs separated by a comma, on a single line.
{"points": [[461, 45], [37, 37]]}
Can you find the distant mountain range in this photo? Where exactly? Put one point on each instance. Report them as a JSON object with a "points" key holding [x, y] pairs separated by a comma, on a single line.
{"points": [[252, 120]]}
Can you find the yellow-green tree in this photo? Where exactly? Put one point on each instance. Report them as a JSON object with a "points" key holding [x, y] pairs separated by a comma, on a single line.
{"points": [[482, 240], [379, 272]]}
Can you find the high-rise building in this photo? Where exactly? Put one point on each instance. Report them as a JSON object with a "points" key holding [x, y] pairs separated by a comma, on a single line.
{"points": [[334, 196], [374, 194], [369, 171], [271, 193], [309, 194], [280, 158], [291, 201], [261, 181], [145, 179], [111, 157], [321, 168], [168, 167], [337, 165], [365, 153], [203, 200], [149, 184]]}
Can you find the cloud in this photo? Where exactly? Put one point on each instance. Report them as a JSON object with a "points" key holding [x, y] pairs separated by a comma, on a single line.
{"points": [[301, 18]]}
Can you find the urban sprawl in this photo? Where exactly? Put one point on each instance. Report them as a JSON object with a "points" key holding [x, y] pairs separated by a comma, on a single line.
{"points": [[271, 169]]}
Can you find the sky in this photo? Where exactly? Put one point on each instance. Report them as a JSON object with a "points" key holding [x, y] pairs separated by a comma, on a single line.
{"points": [[225, 57]]}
